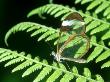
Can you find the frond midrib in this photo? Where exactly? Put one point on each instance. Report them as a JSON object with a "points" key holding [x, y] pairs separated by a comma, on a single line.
{"points": [[53, 67]]}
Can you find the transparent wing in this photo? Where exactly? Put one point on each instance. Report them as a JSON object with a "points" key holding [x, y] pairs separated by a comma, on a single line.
{"points": [[71, 43]]}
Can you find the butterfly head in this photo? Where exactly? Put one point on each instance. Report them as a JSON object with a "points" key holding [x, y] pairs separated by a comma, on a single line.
{"points": [[56, 56]]}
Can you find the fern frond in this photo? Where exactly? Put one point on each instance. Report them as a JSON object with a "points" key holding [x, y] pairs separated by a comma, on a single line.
{"points": [[52, 9], [100, 50], [43, 73], [48, 32], [87, 72], [103, 56], [32, 69], [101, 6], [82, 1], [98, 47], [93, 23], [67, 75], [107, 64], [22, 66], [13, 61], [34, 64], [95, 53], [8, 57], [54, 76]]}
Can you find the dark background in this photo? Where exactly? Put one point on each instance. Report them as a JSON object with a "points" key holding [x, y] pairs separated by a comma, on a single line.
{"points": [[11, 13], [15, 11]]}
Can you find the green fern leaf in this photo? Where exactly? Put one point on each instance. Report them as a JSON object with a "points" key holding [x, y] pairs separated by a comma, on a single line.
{"points": [[13, 61], [51, 37], [65, 15], [43, 73], [85, 1], [38, 31], [107, 64], [19, 27], [30, 27], [103, 6], [92, 25], [32, 69], [4, 54], [100, 28], [54, 76], [87, 72], [103, 56], [23, 65], [88, 20], [77, 1], [95, 53], [50, 9], [33, 28], [107, 11], [38, 65], [108, 16], [74, 70], [94, 4], [67, 77], [99, 78], [62, 66], [46, 34], [8, 57], [61, 13], [106, 35], [81, 79]]}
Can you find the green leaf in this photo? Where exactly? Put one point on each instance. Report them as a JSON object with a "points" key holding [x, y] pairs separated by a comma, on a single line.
{"points": [[43, 73], [67, 77], [80, 79], [85, 1], [13, 61], [22, 65], [94, 4], [106, 35], [92, 25], [87, 72], [95, 53], [74, 69], [103, 6], [100, 28], [32, 69], [107, 64], [103, 56], [99, 78], [54, 76], [77, 1], [107, 11]]}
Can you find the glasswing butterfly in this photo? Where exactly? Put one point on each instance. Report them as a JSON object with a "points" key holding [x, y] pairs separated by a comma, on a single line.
{"points": [[72, 26]]}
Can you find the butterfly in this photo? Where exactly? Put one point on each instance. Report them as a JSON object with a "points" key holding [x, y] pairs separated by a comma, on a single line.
{"points": [[71, 27]]}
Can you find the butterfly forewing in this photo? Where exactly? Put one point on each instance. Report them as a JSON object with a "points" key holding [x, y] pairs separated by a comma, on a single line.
{"points": [[69, 44]]}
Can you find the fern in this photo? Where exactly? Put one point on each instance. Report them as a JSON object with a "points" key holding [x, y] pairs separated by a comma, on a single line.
{"points": [[94, 25], [101, 6], [30, 26], [34, 64]]}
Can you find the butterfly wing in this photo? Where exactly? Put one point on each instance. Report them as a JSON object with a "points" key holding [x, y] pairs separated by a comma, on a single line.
{"points": [[68, 42]]}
